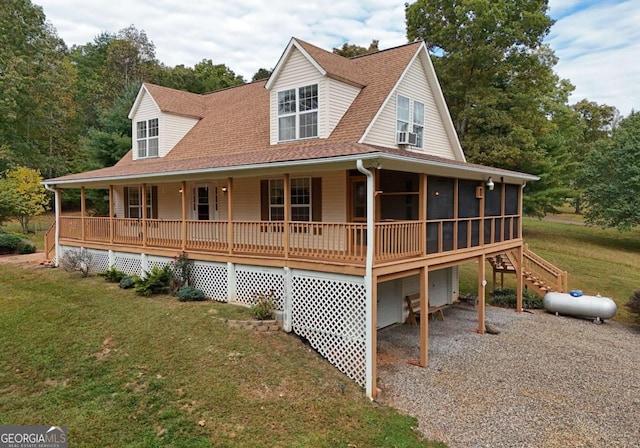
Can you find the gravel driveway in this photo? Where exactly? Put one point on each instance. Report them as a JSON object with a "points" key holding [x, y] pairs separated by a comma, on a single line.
{"points": [[544, 381]]}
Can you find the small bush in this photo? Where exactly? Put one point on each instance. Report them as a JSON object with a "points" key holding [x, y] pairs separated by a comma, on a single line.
{"points": [[157, 281], [112, 275], [9, 243], [506, 297], [633, 305], [77, 260], [264, 307], [182, 268], [26, 247], [127, 282], [190, 294]]}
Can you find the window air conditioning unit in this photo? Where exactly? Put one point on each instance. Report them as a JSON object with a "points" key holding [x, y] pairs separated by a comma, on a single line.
{"points": [[407, 138]]}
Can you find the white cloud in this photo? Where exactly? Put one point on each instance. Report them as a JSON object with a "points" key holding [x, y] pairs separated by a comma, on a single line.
{"points": [[597, 41]]}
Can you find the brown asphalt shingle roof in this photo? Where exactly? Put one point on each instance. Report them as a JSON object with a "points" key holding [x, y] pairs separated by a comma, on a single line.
{"points": [[233, 129]]}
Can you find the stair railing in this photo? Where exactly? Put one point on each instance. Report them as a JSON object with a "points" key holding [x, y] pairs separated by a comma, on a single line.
{"points": [[534, 265]]}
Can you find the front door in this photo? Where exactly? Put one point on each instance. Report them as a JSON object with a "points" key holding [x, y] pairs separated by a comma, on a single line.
{"points": [[358, 212], [204, 202]]}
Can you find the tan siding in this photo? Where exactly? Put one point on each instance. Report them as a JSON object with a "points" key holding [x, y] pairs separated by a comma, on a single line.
{"points": [[118, 209], [414, 85], [339, 99], [172, 129], [147, 109], [246, 199], [334, 196], [298, 72], [169, 201]]}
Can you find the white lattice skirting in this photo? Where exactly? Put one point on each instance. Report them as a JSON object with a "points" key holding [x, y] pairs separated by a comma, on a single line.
{"points": [[326, 309]]}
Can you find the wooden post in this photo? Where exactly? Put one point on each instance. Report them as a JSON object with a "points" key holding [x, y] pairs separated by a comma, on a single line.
{"points": [[481, 226], [519, 279], [83, 212], [143, 201], [503, 191], [455, 215], [287, 213], [183, 202], [482, 283], [230, 214], [111, 213], [424, 316], [422, 212]]}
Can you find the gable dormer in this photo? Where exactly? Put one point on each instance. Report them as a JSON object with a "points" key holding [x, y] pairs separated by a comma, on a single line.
{"points": [[310, 91], [160, 118]]}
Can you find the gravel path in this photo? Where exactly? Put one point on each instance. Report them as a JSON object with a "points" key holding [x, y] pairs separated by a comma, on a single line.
{"points": [[544, 381]]}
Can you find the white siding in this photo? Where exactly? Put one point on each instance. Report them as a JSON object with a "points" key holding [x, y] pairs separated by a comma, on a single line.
{"points": [[172, 129], [415, 86], [299, 72], [147, 110], [341, 96]]}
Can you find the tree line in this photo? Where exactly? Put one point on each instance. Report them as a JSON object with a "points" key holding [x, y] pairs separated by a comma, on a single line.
{"points": [[64, 110]]}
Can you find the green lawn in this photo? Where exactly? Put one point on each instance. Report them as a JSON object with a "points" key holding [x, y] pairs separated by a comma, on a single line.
{"points": [[599, 261], [125, 371]]}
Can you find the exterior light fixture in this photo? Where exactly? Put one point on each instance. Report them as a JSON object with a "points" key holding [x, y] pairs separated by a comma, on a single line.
{"points": [[490, 184]]}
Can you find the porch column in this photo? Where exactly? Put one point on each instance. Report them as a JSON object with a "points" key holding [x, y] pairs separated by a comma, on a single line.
{"points": [[503, 191], [143, 200], [287, 213], [519, 279], [481, 226], [58, 208], [183, 201], [422, 212], [82, 212], [482, 283], [424, 316], [111, 213], [230, 214], [455, 214]]}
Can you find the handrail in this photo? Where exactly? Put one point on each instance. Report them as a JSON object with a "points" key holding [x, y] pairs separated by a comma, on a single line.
{"points": [[545, 271], [50, 241]]}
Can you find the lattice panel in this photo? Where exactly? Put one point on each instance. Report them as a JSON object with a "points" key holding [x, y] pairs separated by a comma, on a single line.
{"points": [[330, 314], [99, 260], [158, 261], [128, 263], [251, 283], [212, 279]]}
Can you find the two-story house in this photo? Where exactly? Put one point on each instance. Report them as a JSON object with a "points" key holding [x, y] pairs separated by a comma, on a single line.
{"points": [[338, 184]]}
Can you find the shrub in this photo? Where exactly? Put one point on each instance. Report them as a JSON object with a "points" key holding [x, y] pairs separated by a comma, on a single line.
{"points": [[182, 269], [9, 243], [156, 281], [112, 275], [633, 305], [77, 260], [264, 307], [127, 282], [26, 247], [506, 297], [190, 294]]}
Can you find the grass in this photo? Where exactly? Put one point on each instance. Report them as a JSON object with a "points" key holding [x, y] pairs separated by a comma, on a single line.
{"points": [[598, 261], [125, 371], [38, 225]]}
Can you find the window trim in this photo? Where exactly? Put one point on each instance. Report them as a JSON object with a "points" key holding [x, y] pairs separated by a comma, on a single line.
{"points": [[299, 112], [144, 139], [315, 198], [151, 202]]}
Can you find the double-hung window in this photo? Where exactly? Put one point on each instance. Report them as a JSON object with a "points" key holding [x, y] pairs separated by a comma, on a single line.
{"points": [[133, 202], [298, 113], [147, 138], [300, 197], [410, 119]]}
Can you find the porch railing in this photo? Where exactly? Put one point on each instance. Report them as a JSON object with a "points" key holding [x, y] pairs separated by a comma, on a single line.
{"points": [[341, 242], [50, 242]]}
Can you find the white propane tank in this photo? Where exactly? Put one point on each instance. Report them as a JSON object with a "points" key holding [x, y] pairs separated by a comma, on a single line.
{"points": [[597, 307]]}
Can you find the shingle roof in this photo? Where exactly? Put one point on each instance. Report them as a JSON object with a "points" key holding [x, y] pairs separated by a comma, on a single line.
{"points": [[233, 130]]}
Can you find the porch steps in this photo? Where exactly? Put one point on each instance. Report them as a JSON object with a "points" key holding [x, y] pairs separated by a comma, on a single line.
{"points": [[538, 274]]}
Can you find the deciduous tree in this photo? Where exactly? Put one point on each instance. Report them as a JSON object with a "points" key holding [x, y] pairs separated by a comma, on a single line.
{"points": [[22, 196]]}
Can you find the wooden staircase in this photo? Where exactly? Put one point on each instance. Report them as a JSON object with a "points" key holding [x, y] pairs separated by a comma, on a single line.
{"points": [[538, 274]]}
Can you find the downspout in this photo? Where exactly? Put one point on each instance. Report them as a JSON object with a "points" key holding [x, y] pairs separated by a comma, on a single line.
{"points": [[368, 282], [56, 201]]}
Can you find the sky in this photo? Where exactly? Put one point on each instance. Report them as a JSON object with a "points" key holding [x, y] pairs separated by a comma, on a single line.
{"points": [[597, 41]]}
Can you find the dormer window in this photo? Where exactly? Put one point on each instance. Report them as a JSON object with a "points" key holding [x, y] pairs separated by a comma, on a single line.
{"points": [[298, 113], [147, 138], [409, 122]]}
